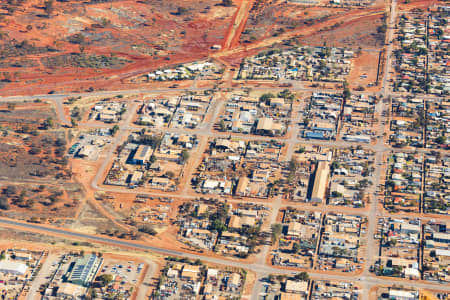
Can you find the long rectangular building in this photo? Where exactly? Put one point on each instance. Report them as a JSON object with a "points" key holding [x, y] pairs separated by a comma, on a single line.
{"points": [[320, 181], [84, 270]]}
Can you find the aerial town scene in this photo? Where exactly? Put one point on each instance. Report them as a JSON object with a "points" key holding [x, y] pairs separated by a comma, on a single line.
{"points": [[224, 149]]}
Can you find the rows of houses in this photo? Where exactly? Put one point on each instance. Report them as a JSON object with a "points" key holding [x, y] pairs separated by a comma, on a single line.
{"points": [[412, 250], [345, 3], [17, 268], [334, 3], [236, 167], [436, 194], [351, 174], [340, 243], [151, 160], [250, 115], [157, 112], [216, 226], [421, 57], [299, 239], [417, 182], [437, 123], [358, 119], [438, 57], [300, 173], [399, 242], [324, 242], [298, 63], [181, 280], [400, 293], [403, 184], [327, 116], [206, 70], [418, 122], [191, 111], [411, 57], [324, 289], [407, 122], [185, 111], [108, 111], [321, 117], [436, 252], [292, 288]]}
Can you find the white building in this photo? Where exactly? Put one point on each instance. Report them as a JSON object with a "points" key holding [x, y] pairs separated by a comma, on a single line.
{"points": [[11, 267], [403, 295]]}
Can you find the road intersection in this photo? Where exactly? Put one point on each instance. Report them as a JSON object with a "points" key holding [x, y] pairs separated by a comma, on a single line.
{"points": [[260, 267]]}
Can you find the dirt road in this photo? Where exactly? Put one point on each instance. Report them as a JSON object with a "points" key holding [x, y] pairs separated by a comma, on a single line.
{"points": [[346, 18], [238, 25]]}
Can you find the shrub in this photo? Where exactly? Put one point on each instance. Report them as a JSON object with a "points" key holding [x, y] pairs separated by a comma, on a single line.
{"points": [[4, 203], [147, 229]]}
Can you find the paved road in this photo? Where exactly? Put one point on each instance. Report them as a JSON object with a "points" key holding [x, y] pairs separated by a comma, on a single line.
{"points": [[243, 86], [258, 268]]}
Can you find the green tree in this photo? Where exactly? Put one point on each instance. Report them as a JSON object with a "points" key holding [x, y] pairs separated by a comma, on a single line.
{"points": [[48, 123], [105, 279], [114, 130], [303, 276], [266, 97], [336, 194], [218, 225], [301, 149], [49, 7], [10, 190], [441, 140], [334, 165], [222, 125], [346, 94], [181, 10], [148, 229], [276, 231], [185, 155], [296, 247], [4, 203], [11, 106], [73, 122], [169, 174]]}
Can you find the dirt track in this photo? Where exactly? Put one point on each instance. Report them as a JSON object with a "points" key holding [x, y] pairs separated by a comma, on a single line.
{"points": [[79, 80], [238, 25], [352, 16]]}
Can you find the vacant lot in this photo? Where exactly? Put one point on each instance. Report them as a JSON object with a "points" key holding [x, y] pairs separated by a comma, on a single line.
{"points": [[90, 221], [271, 18], [25, 156], [364, 33], [15, 115], [83, 61], [32, 145], [37, 202], [122, 36]]}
